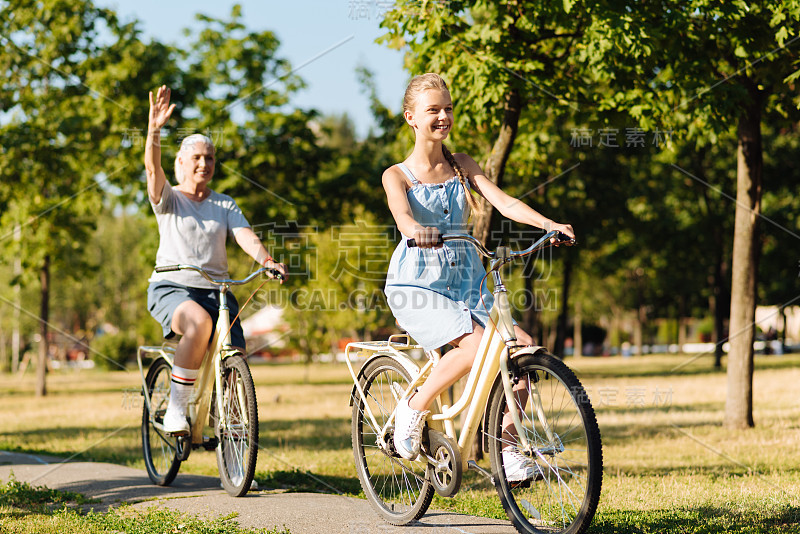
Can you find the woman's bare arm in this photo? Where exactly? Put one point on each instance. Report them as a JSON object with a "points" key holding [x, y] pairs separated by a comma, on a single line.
{"points": [[160, 112]]}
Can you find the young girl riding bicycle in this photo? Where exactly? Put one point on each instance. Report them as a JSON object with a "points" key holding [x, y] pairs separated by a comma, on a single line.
{"points": [[434, 290]]}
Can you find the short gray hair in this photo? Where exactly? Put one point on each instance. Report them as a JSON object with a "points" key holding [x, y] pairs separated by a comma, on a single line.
{"points": [[186, 145]]}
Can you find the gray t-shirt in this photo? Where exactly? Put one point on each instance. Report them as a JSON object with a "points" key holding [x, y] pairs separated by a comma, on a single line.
{"points": [[195, 233]]}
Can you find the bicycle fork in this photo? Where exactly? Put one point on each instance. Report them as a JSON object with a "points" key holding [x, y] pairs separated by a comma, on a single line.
{"points": [[506, 329]]}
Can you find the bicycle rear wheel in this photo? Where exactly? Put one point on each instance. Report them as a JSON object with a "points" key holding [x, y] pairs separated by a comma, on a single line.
{"points": [[560, 425], [158, 448], [237, 429], [398, 489]]}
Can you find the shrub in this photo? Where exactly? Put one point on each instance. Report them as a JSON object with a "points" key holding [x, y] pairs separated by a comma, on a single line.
{"points": [[111, 351]]}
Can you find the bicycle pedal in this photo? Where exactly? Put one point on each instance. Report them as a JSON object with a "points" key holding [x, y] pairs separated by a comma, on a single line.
{"points": [[524, 484]]}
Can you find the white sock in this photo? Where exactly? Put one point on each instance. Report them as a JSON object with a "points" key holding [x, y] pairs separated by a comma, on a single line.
{"points": [[181, 386]]}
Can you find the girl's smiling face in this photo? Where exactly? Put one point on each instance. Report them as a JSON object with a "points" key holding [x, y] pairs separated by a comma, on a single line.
{"points": [[432, 114]]}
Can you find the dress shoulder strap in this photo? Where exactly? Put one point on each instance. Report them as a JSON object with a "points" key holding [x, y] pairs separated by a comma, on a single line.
{"points": [[407, 172]]}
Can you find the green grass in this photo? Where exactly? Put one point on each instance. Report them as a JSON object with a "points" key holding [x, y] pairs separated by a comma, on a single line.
{"points": [[670, 464], [27, 509]]}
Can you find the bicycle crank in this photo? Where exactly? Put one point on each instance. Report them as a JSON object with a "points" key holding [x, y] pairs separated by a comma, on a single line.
{"points": [[445, 458], [183, 446]]}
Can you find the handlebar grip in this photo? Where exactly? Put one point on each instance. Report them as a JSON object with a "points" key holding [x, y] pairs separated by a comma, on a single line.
{"points": [[564, 239], [275, 273], [411, 243], [168, 268]]}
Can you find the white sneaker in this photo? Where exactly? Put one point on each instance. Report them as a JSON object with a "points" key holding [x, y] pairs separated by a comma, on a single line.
{"points": [[519, 467], [175, 422], [408, 424]]}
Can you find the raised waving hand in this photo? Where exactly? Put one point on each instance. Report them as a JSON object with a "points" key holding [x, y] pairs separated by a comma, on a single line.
{"points": [[160, 108], [160, 112]]}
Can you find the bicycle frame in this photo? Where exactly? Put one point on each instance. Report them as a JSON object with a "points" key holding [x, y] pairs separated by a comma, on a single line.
{"points": [[200, 399], [218, 349], [497, 345]]}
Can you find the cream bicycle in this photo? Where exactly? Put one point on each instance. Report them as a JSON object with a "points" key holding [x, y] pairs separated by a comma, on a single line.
{"points": [[519, 398], [223, 397]]}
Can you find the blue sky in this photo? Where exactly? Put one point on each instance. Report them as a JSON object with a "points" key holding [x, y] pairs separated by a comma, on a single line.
{"points": [[306, 29]]}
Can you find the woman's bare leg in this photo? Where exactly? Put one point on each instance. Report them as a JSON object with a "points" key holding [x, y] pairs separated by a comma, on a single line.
{"points": [[193, 323]]}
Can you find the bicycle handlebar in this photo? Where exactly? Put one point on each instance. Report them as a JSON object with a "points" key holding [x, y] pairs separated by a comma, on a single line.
{"points": [[273, 273], [504, 252]]}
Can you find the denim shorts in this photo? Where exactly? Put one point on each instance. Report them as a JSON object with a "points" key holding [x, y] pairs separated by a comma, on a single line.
{"points": [[164, 297]]}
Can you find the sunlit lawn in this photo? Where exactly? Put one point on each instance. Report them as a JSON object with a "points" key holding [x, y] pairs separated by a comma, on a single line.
{"points": [[670, 465]]}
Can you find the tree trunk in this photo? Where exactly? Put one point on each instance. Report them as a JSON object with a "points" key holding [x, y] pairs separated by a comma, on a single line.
{"points": [[496, 163], [16, 342], [783, 334], [577, 336], [561, 327], [719, 296], [530, 314], [41, 367], [739, 403], [638, 331]]}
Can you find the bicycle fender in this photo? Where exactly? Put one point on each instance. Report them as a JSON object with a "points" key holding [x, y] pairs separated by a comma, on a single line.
{"points": [[498, 383], [406, 362]]}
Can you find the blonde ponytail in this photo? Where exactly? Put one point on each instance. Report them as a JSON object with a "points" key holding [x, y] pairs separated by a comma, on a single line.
{"points": [[463, 176]]}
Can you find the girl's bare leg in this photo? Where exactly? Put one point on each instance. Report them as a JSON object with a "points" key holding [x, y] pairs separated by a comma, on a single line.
{"points": [[453, 365], [520, 389]]}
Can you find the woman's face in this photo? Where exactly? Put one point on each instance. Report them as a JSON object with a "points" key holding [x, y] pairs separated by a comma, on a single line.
{"points": [[197, 163], [432, 116]]}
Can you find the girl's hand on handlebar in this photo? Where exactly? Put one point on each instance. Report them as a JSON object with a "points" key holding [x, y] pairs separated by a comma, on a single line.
{"points": [[565, 229], [280, 267], [428, 237]]}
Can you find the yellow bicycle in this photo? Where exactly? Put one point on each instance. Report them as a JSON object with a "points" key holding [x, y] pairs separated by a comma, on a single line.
{"points": [[520, 399], [223, 398]]}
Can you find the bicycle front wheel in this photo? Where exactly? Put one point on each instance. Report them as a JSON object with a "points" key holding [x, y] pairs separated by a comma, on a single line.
{"points": [[158, 448], [398, 489], [237, 427], [560, 426]]}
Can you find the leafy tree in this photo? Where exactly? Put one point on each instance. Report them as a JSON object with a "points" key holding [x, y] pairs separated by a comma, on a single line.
{"points": [[502, 58], [50, 166], [710, 67]]}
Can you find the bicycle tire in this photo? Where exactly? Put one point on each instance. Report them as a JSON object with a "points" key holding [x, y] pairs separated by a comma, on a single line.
{"points": [[158, 448], [399, 490], [563, 495], [237, 431]]}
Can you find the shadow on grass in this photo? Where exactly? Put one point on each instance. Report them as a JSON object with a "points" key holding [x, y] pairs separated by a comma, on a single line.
{"points": [[332, 433], [605, 407], [297, 481], [704, 519], [674, 365], [118, 445]]}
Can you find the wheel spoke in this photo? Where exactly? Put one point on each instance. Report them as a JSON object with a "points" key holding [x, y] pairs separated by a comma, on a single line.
{"points": [[237, 427], [396, 488], [564, 493]]}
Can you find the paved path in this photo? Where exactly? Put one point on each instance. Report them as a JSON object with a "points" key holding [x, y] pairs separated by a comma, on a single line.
{"points": [[301, 513]]}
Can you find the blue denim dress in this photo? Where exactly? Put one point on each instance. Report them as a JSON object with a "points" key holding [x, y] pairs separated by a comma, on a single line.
{"points": [[435, 293]]}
